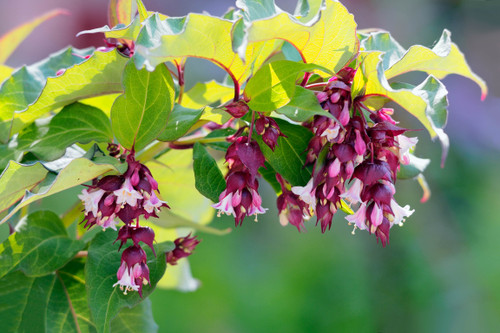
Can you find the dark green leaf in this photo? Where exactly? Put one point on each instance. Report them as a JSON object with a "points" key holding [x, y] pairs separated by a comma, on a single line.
{"points": [[141, 113], [105, 301], [75, 123], [27, 83], [208, 177], [289, 157], [303, 106], [136, 319], [180, 121], [269, 175], [39, 246]]}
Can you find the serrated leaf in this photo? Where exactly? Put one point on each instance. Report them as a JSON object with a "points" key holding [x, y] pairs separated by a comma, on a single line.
{"points": [[39, 246], [427, 101], [27, 83], [174, 170], [207, 93], [330, 40], [74, 123], [136, 319], [16, 179], [273, 85], [103, 261], [208, 177], [288, 158], [443, 59], [303, 106], [99, 75], [198, 36], [78, 171], [416, 166], [179, 123], [128, 31], [141, 113], [11, 40]]}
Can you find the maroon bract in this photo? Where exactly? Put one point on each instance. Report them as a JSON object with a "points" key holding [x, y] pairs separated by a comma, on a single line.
{"points": [[268, 128], [184, 247], [133, 271]]}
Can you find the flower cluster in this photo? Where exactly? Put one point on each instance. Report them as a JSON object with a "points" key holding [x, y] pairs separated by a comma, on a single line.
{"points": [[241, 197], [184, 247], [356, 160], [126, 197]]}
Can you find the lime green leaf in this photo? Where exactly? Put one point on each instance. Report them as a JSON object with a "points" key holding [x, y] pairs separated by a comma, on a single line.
{"points": [[103, 103], [198, 36], [99, 75], [16, 179], [289, 157], [11, 40], [256, 9], [26, 84], [209, 179], [416, 166], [141, 113], [121, 12], [330, 40], [427, 101], [39, 246], [105, 301], [5, 72], [443, 59], [179, 123], [136, 319], [382, 41], [207, 93], [143, 13], [273, 85], [303, 106], [120, 31], [174, 170], [75, 123], [78, 171]]}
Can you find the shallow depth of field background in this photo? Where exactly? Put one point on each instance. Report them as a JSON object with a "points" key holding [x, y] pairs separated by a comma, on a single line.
{"points": [[440, 273]]}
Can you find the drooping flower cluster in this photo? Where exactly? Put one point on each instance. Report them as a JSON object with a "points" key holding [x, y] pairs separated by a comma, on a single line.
{"points": [[241, 197], [356, 160], [184, 247], [126, 197]]}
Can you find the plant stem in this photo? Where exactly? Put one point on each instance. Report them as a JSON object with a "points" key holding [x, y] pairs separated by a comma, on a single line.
{"points": [[251, 127], [180, 71]]}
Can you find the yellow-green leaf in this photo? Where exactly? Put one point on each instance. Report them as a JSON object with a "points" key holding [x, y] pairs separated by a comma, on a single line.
{"points": [[121, 12], [329, 41], [207, 93], [5, 72]]}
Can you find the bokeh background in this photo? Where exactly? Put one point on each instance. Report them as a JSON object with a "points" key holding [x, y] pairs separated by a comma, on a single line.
{"points": [[440, 273]]}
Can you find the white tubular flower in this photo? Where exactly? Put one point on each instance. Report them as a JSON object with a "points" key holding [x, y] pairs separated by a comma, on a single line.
{"points": [[354, 192], [305, 194], [405, 145], [91, 200], [127, 194], [400, 213]]}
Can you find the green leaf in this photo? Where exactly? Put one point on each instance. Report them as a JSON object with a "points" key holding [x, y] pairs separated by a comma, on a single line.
{"points": [[329, 40], [26, 84], [207, 93], [289, 157], [78, 171], [11, 40], [16, 179], [443, 59], [175, 170], [39, 246], [303, 106], [141, 113], [199, 36], [130, 31], [256, 9], [209, 179], [67, 309], [136, 319], [427, 101], [273, 85], [8, 152], [143, 13], [121, 12], [99, 75], [269, 175], [105, 301], [75, 123], [5, 72], [52, 303], [179, 123], [414, 168]]}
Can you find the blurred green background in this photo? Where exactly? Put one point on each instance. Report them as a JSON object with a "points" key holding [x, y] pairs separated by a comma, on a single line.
{"points": [[441, 271]]}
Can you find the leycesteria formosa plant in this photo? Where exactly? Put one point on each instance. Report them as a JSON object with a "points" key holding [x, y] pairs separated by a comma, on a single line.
{"points": [[115, 134]]}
